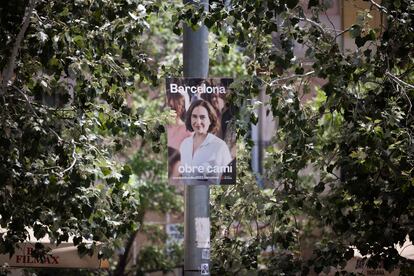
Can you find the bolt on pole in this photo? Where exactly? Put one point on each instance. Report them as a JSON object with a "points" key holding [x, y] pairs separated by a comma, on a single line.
{"points": [[197, 197]]}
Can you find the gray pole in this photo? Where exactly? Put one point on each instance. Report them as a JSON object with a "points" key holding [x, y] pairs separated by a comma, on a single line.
{"points": [[197, 197]]}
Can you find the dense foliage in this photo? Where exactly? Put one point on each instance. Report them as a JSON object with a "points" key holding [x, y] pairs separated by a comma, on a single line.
{"points": [[341, 172], [67, 69]]}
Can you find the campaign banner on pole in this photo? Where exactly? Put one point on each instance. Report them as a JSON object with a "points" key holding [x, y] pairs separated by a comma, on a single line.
{"points": [[202, 137]]}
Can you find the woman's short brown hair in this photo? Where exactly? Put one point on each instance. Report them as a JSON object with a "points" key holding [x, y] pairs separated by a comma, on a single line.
{"points": [[212, 115]]}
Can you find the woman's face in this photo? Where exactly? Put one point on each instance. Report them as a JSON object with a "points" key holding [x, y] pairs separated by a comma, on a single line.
{"points": [[218, 103], [178, 105], [200, 121]]}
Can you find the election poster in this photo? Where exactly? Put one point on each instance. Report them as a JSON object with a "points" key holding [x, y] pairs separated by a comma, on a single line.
{"points": [[202, 137]]}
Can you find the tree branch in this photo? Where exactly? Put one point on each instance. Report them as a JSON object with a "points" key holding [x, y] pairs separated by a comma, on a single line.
{"points": [[399, 81], [316, 24], [402, 83], [122, 262], [276, 81], [332, 24], [381, 8], [34, 111], [74, 158], [9, 68], [341, 33]]}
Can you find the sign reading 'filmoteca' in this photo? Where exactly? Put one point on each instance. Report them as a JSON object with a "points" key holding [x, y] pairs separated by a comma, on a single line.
{"points": [[202, 137], [64, 256]]}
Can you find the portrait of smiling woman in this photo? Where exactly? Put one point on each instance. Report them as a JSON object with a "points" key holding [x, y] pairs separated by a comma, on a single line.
{"points": [[204, 156]]}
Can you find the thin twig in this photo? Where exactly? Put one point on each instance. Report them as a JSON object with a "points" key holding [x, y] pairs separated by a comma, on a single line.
{"points": [[402, 84], [332, 24], [9, 68], [341, 33], [400, 81], [51, 168], [274, 82], [74, 158], [383, 9], [297, 227], [27, 101], [34, 111], [316, 24], [257, 228]]}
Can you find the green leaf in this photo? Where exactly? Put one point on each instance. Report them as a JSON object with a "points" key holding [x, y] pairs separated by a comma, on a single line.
{"points": [[254, 118], [106, 171], [177, 29], [319, 188], [355, 31], [79, 41], [226, 49]]}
